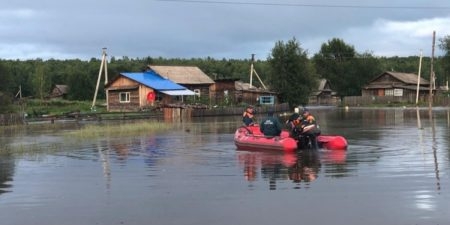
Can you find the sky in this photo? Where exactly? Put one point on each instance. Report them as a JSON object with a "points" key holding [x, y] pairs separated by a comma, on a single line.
{"points": [[230, 29]]}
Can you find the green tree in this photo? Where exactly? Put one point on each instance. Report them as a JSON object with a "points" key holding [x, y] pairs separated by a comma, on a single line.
{"points": [[445, 60], [5, 93], [346, 70], [41, 81], [291, 73]]}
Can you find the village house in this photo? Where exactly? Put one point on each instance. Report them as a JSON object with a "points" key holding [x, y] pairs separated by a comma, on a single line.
{"points": [[246, 93], [59, 91], [324, 95], [392, 87], [398, 85], [190, 77], [223, 91], [136, 91]]}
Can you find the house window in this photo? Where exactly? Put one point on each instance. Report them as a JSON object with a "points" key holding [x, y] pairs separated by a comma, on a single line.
{"points": [[124, 97], [398, 92], [266, 100], [389, 92]]}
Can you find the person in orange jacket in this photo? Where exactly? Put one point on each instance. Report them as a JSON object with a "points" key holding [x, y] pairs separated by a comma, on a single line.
{"points": [[248, 116]]}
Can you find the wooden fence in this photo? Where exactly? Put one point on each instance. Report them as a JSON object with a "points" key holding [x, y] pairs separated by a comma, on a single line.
{"points": [[11, 119], [238, 110], [438, 100]]}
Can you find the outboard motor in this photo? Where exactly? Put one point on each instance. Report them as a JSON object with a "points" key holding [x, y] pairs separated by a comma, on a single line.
{"points": [[308, 137]]}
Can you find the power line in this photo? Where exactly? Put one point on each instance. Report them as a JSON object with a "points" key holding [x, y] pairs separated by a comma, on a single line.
{"points": [[309, 5]]}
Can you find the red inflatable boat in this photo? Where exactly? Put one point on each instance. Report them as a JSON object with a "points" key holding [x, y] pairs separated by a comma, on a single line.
{"points": [[250, 138]]}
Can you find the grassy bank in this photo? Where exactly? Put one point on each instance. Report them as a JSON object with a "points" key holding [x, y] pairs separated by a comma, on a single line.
{"points": [[38, 108], [118, 130]]}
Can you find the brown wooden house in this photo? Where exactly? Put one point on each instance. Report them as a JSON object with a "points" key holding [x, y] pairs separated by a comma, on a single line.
{"points": [[136, 91], [324, 95], [249, 94], [223, 91], [59, 91], [396, 84], [190, 77]]}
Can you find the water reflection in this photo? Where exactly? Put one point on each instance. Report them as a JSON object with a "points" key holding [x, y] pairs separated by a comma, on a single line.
{"points": [[7, 166], [301, 167]]}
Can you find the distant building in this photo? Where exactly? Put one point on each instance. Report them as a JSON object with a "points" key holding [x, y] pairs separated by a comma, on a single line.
{"points": [[249, 94], [190, 77], [223, 91], [135, 91], [396, 84], [324, 95], [59, 91]]}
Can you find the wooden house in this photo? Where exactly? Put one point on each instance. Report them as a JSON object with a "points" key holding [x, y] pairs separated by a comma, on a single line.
{"points": [[190, 77], [396, 84], [59, 91], [324, 95], [223, 91], [249, 94], [135, 91]]}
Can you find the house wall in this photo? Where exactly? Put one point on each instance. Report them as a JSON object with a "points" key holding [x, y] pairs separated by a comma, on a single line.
{"points": [[138, 95], [204, 88], [143, 92], [217, 92], [123, 81], [323, 99], [114, 104]]}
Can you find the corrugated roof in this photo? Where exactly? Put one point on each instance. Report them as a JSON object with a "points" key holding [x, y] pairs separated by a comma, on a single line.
{"points": [[183, 74], [154, 81], [62, 88], [407, 78]]}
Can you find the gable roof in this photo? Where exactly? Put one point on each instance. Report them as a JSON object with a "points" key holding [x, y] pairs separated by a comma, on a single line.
{"points": [[182, 74], [63, 89], [407, 78], [154, 81]]}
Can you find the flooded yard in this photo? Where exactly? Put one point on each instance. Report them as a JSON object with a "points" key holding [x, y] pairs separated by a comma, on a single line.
{"points": [[395, 171]]}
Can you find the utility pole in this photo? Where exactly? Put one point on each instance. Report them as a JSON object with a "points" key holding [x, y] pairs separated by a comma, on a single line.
{"points": [[418, 77], [252, 70], [103, 64], [430, 97]]}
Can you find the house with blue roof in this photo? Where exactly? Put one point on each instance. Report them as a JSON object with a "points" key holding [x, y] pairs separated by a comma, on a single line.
{"points": [[138, 90]]}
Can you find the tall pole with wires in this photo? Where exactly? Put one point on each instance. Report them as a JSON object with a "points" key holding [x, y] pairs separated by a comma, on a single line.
{"points": [[418, 78], [430, 97], [102, 66]]}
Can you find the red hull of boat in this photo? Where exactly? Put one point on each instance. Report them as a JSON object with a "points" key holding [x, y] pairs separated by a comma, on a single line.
{"points": [[332, 142], [250, 138]]}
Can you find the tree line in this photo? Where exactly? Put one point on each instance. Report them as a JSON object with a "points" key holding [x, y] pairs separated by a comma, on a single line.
{"points": [[288, 70]]}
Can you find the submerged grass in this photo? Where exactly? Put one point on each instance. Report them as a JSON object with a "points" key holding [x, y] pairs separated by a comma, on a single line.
{"points": [[116, 130]]}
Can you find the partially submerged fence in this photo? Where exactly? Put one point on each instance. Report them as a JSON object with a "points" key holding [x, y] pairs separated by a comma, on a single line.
{"points": [[438, 100], [11, 119], [224, 111]]}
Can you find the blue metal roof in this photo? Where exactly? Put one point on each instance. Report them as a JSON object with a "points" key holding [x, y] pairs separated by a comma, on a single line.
{"points": [[153, 80]]}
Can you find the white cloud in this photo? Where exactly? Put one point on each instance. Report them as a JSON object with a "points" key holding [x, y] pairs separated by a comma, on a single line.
{"points": [[22, 13], [398, 38]]}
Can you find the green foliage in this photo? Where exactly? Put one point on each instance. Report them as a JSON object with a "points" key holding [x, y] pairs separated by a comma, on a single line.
{"points": [[444, 62], [346, 70], [291, 74], [37, 108]]}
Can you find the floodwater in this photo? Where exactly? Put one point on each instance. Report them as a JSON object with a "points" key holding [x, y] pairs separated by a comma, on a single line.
{"points": [[395, 172]]}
